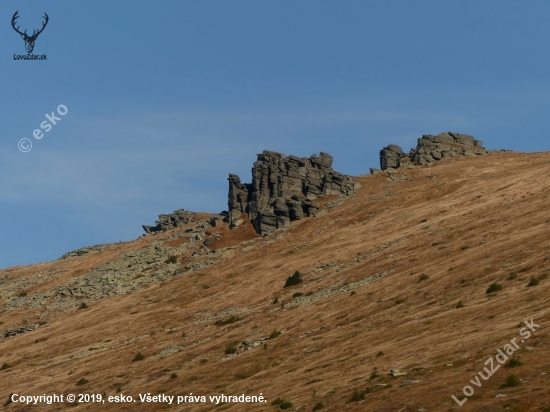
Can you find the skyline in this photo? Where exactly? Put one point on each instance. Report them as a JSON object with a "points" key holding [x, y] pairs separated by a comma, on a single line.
{"points": [[164, 102]]}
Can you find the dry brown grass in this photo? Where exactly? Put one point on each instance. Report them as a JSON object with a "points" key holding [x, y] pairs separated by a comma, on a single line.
{"points": [[495, 205]]}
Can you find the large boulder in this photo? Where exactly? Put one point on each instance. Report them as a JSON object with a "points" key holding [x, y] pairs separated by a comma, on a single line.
{"points": [[390, 156]]}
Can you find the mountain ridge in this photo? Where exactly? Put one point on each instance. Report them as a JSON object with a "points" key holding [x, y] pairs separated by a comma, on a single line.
{"points": [[383, 271]]}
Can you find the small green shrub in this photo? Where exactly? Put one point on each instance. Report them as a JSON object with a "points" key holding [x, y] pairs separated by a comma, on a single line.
{"points": [[40, 340], [423, 277], [274, 334], [227, 321], [231, 348], [495, 287], [22, 294], [514, 363], [399, 301], [294, 279], [522, 270], [82, 381], [297, 294], [374, 374], [204, 360], [464, 247], [83, 306], [173, 376], [275, 301], [358, 395], [318, 406], [281, 403], [5, 366], [510, 381], [459, 304], [171, 259], [286, 405], [533, 282], [351, 294], [512, 276], [380, 353], [138, 357]]}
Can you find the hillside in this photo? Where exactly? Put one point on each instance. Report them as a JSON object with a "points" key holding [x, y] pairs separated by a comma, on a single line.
{"points": [[383, 273]]}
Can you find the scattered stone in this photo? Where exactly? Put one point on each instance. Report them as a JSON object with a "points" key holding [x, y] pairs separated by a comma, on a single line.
{"points": [[396, 372], [249, 344], [409, 382], [18, 331]]}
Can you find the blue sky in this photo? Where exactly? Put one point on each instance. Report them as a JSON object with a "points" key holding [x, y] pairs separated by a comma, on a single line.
{"points": [[167, 98]]}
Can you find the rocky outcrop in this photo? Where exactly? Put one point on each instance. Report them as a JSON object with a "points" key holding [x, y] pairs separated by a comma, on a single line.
{"points": [[84, 251], [178, 218], [284, 188], [390, 157], [432, 148]]}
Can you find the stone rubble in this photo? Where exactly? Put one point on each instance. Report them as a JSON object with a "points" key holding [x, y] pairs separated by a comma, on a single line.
{"points": [[17, 331]]}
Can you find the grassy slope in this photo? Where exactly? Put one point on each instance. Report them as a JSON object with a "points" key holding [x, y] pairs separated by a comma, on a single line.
{"points": [[465, 223]]}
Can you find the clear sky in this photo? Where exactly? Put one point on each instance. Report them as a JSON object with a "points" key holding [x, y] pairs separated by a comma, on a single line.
{"points": [[165, 99]]}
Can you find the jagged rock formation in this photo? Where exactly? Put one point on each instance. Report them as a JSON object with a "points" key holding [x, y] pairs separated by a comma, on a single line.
{"points": [[283, 189], [432, 148], [180, 217]]}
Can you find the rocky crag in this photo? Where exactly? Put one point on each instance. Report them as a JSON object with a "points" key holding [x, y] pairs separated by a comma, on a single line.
{"points": [[430, 149], [284, 188]]}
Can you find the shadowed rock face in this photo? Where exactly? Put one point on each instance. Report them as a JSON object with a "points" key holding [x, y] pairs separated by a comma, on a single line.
{"points": [[284, 188], [432, 148]]}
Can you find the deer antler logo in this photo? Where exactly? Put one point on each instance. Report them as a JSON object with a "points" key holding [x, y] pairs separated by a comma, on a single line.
{"points": [[29, 40]]}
